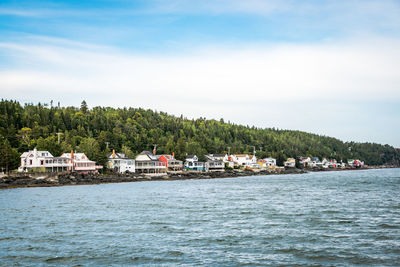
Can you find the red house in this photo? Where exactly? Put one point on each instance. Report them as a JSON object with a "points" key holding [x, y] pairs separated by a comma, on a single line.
{"points": [[171, 163]]}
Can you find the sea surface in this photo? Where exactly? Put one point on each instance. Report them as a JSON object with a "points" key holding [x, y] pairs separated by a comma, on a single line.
{"points": [[317, 219]]}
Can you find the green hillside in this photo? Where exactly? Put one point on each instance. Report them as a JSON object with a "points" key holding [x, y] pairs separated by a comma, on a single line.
{"points": [[98, 130]]}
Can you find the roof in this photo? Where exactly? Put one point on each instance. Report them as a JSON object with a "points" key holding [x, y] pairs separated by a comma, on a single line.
{"points": [[117, 155], [190, 156], [217, 155], [145, 152], [38, 153], [149, 154], [167, 156]]}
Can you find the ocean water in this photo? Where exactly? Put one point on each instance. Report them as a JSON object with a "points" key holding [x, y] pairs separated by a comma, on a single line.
{"points": [[316, 219]]}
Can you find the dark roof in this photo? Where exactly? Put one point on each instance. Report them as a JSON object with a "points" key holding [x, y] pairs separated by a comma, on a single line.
{"points": [[219, 155], [190, 156]]}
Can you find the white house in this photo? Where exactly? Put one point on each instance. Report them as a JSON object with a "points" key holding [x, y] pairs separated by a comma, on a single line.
{"points": [[356, 163], [147, 162], [244, 160], [270, 162], [305, 161], [120, 163], [290, 163], [192, 163], [34, 159], [215, 162]]}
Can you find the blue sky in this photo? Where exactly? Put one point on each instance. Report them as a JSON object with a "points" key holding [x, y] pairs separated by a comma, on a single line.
{"points": [[328, 67]]}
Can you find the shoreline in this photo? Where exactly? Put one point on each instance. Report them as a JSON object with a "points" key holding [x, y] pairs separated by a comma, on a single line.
{"points": [[67, 179]]}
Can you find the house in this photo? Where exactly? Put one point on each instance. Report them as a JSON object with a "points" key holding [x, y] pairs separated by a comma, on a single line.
{"points": [[228, 160], [221, 157], [120, 163], [270, 162], [290, 163], [172, 164], [192, 163], [304, 161], [244, 160], [355, 163], [215, 162], [81, 163], [58, 164], [35, 160], [325, 163], [147, 162], [262, 164]]}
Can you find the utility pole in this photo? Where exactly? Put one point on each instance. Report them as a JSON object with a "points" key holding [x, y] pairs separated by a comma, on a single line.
{"points": [[254, 150], [229, 150], [107, 143], [59, 134]]}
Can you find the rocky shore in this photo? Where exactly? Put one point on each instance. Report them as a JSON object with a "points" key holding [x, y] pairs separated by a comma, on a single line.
{"points": [[60, 179]]}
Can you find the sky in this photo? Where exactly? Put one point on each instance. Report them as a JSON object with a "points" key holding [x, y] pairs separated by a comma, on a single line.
{"points": [[326, 67]]}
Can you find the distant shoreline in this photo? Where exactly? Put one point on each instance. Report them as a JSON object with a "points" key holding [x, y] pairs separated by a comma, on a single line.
{"points": [[27, 180]]}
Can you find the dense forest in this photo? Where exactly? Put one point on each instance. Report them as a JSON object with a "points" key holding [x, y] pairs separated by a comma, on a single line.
{"points": [[98, 130]]}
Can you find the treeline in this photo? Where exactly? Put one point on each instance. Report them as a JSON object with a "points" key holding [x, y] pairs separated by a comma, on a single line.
{"points": [[98, 130]]}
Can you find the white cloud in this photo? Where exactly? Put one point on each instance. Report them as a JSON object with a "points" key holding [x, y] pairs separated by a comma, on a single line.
{"points": [[266, 85]]}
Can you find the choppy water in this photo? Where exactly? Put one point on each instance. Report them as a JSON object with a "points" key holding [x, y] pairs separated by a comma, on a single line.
{"points": [[331, 218]]}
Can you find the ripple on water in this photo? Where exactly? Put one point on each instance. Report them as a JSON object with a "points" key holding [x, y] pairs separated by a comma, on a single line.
{"points": [[316, 219]]}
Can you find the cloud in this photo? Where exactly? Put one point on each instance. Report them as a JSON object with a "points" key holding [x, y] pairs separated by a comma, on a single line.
{"points": [[281, 71]]}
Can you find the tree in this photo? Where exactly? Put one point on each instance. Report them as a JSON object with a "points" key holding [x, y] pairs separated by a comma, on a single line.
{"points": [[9, 159], [127, 151], [90, 147], [50, 144], [194, 148], [84, 107], [25, 134]]}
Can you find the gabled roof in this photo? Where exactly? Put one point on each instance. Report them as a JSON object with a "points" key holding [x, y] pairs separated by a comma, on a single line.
{"points": [[190, 156], [38, 153], [167, 156], [117, 156], [150, 155]]}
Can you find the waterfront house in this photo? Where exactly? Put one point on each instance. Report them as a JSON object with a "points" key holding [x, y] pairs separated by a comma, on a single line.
{"points": [[325, 163], [35, 160], [228, 160], [244, 160], [81, 163], [192, 163], [172, 164], [215, 162], [304, 161], [355, 163], [290, 163], [120, 163], [146, 162], [270, 162]]}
